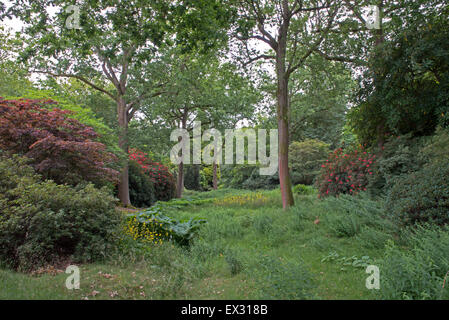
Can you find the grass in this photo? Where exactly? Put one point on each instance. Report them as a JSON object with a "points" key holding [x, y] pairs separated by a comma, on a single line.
{"points": [[249, 249]]}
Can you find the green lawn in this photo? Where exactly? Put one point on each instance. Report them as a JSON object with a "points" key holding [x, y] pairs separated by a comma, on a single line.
{"points": [[249, 249]]}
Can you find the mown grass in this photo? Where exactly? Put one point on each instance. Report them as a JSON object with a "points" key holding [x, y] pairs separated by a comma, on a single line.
{"points": [[249, 249]]}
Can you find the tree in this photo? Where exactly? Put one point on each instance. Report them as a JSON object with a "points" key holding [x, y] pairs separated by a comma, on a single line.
{"points": [[117, 42], [293, 30], [410, 93], [201, 88], [62, 148]]}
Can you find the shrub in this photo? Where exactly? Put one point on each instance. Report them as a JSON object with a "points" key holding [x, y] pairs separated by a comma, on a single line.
{"points": [[192, 177], [62, 148], [420, 271], [42, 222], [207, 177], [154, 226], [247, 177], [345, 172], [141, 188], [163, 180], [306, 159], [303, 190], [436, 149], [421, 196], [399, 157]]}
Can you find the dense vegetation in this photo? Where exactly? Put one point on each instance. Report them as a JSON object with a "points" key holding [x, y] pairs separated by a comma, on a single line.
{"points": [[88, 177]]}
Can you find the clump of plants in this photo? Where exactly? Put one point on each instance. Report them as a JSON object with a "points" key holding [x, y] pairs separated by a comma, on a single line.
{"points": [[42, 222], [421, 196], [163, 181], [62, 149], [306, 158], [141, 187], [421, 271], [154, 226], [303, 190], [345, 172]]}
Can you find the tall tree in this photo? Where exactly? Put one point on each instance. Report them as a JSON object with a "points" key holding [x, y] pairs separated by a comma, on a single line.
{"points": [[293, 30]]}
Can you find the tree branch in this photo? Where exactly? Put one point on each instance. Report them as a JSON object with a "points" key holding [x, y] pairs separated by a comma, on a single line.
{"points": [[68, 75]]}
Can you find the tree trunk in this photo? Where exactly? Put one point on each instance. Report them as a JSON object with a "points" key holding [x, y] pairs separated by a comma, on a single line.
{"points": [[283, 135], [180, 182], [214, 178], [123, 186]]}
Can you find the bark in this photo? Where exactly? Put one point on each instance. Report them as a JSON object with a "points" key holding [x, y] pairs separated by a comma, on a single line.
{"points": [[180, 182], [283, 134], [214, 178], [123, 186], [180, 178]]}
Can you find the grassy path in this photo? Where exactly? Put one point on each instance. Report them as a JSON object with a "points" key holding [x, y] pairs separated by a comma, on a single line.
{"points": [[249, 249]]}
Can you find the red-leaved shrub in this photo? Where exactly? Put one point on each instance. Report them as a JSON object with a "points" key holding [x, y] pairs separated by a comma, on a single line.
{"points": [[345, 172], [62, 149], [164, 182]]}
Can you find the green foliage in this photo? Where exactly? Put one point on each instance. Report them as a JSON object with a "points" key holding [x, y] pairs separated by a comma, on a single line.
{"points": [[351, 213], [436, 149], [345, 262], [409, 93], [305, 159], [207, 176], [141, 188], [192, 177], [234, 261], [182, 232], [303, 190], [247, 176], [344, 226], [284, 280], [421, 196], [419, 270], [42, 222], [400, 156], [320, 93]]}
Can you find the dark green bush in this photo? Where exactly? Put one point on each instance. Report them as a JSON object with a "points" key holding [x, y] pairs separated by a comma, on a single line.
{"points": [[42, 222], [305, 159], [141, 188], [436, 148], [192, 177], [399, 157], [422, 196], [247, 177]]}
